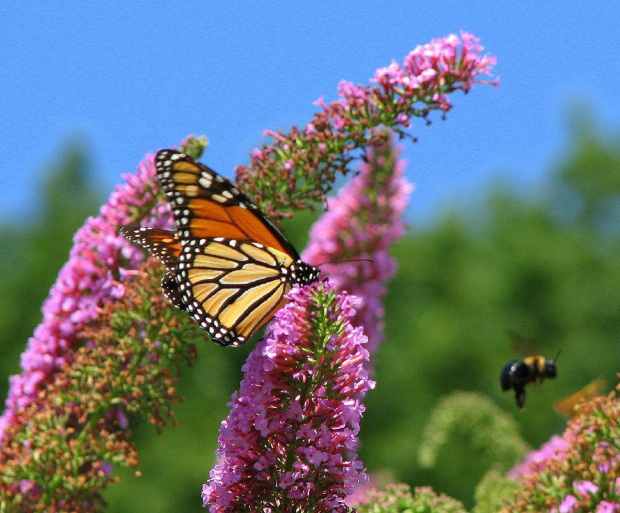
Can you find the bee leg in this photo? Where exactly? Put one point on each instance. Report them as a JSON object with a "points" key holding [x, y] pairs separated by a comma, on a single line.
{"points": [[520, 395]]}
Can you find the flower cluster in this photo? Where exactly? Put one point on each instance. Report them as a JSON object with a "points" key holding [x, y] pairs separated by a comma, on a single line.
{"points": [[351, 240], [536, 461], [85, 283], [74, 329], [89, 280], [291, 436], [578, 471], [399, 498], [298, 167], [105, 353], [76, 432]]}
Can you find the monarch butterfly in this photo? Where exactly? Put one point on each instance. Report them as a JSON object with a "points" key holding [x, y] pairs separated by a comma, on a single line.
{"points": [[227, 264]]}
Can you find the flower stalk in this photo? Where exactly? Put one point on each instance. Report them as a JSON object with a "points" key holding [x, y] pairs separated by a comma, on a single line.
{"points": [[351, 240], [298, 168]]}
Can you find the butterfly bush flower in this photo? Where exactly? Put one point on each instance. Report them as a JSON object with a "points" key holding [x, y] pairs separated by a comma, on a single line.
{"points": [[84, 284], [536, 461], [89, 283], [89, 280], [289, 441], [308, 375], [577, 471], [608, 507], [351, 240], [297, 169], [126, 364]]}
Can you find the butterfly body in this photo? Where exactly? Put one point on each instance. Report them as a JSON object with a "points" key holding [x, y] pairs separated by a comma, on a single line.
{"points": [[227, 264]]}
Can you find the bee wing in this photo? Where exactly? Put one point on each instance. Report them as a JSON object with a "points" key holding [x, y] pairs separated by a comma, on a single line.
{"points": [[522, 346]]}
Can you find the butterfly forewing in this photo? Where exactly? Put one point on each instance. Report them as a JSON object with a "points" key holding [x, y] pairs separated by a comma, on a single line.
{"points": [[162, 244], [165, 246], [206, 205], [566, 406]]}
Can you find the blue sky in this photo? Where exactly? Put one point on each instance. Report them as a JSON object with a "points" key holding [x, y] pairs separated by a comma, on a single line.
{"points": [[130, 77]]}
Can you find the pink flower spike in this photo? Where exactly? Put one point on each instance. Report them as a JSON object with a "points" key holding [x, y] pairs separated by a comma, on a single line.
{"points": [[355, 234], [290, 438], [84, 284], [418, 86]]}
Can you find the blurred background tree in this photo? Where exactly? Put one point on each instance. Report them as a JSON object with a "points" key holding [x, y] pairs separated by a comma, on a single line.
{"points": [[34, 248], [546, 266]]}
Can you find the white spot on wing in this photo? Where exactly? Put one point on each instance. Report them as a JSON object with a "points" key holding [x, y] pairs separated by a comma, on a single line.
{"points": [[205, 181]]}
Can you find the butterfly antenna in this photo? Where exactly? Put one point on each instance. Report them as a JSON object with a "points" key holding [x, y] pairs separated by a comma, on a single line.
{"points": [[343, 261]]}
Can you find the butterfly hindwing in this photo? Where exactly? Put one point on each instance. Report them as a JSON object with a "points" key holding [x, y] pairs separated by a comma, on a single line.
{"points": [[231, 288], [172, 292]]}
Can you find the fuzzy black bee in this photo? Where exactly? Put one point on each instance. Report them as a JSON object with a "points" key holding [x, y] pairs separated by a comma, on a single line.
{"points": [[519, 373]]}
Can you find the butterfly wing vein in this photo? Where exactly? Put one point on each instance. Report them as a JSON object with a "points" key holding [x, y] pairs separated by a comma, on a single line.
{"points": [[234, 289]]}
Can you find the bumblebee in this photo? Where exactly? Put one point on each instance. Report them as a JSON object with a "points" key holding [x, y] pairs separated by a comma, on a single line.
{"points": [[519, 373]]}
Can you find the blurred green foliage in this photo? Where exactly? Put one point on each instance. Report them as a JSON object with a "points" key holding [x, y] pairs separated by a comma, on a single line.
{"points": [[401, 499], [469, 419], [32, 250], [546, 267], [492, 492]]}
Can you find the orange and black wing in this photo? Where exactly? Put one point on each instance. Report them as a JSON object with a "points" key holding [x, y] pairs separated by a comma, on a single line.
{"points": [[165, 246], [206, 205], [162, 244]]}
